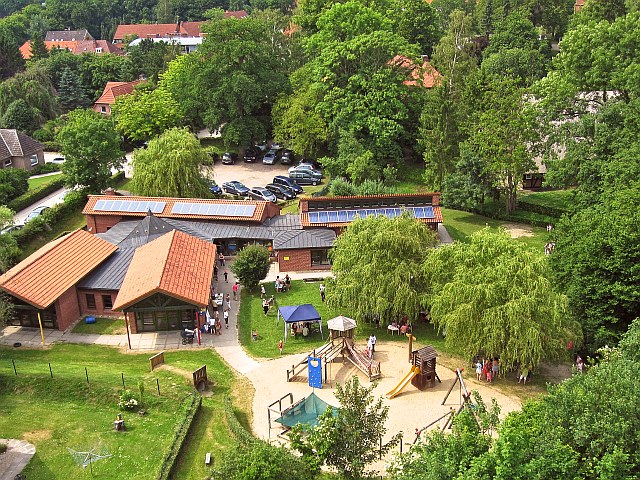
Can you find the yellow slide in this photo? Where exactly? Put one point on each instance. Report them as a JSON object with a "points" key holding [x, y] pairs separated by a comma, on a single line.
{"points": [[404, 382]]}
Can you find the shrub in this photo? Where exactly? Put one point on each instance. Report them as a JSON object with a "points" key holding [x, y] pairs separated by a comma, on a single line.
{"points": [[340, 187], [13, 183], [45, 168], [35, 195], [128, 400], [251, 265]]}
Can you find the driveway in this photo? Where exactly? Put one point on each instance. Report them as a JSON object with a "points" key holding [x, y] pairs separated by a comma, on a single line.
{"points": [[251, 174]]}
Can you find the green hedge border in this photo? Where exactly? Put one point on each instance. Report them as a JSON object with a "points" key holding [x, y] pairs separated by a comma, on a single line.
{"points": [[237, 430], [169, 462], [33, 196], [541, 209]]}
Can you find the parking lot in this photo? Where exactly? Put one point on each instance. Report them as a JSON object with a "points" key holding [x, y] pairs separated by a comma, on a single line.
{"points": [[251, 174]]}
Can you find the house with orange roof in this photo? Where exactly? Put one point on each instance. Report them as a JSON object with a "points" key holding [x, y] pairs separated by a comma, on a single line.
{"points": [[578, 6], [424, 75], [113, 90], [77, 47], [126, 33]]}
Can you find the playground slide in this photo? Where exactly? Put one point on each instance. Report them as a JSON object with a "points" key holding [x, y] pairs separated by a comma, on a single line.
{"points": [[403, 383], [363, 362]]}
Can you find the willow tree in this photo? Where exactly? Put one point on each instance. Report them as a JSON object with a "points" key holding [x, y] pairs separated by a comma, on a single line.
{"points": [[377, 267], [170, 166], [493, 296]]}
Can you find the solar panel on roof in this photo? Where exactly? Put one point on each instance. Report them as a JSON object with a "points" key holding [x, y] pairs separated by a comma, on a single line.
{"points": [[129, 206], [343, 216], [213, 209]]}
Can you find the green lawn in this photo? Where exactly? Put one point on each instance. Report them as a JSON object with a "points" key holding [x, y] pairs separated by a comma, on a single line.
{"points": [[68, 224], [67, 412], [461, 224], [252, 317], [40, 181], [560, 199], [103, 326]]}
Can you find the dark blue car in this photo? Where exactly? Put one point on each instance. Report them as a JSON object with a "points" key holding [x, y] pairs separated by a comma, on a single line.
{"points": [[235, 188], [287, 182], [215, 188]]}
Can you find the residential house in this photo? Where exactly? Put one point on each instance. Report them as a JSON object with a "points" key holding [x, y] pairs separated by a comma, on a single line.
{"points": [[424, 75], [67, 35], [578, 6], [77, 47], [113, 90], [19, 150], [126, 33], [186, 44]]}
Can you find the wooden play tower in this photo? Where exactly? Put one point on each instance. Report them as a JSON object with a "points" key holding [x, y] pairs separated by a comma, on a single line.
{"points": [[424, 359]]}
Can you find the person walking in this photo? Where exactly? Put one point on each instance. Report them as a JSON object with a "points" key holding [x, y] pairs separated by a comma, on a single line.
{"points": [[215, 273], [373, 342], [228, 302], [495, 368], [226, 318], [322, 292], [263, 292], [479, 370], [219, 327], [221, 258], [280, 346], [235, 291], [265, 306], [226, 276]]}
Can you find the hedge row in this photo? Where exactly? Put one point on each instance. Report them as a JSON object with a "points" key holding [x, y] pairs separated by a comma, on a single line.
{"points": [[33, 196], [192, 405], [237, 430], [73, 202], [541, 209], [529, 218]]}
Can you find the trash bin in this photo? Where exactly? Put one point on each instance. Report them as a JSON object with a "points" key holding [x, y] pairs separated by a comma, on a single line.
{"points": [[90, 319]]}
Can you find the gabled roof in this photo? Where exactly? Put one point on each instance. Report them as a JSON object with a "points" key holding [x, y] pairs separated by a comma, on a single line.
{"points": [[67, 35], [41, 278], [77, 47], [260, 209], [113, 90], [424, 75], [17, 144], [297, 239], [187, 29], [176, 264]]}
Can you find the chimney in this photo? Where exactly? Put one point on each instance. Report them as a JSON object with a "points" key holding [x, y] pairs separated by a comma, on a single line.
{"points": [[110, 192]]}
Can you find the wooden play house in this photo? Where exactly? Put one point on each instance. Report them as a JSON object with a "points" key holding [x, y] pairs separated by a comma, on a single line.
{"points": [[424, 359]]}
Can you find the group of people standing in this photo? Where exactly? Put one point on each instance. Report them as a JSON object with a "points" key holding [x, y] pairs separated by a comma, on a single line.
{"points": [[488, 369], [219, 304]]}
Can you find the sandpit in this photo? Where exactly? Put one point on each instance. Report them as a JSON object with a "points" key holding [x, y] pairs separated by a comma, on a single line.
{"points": [[411, 410]]}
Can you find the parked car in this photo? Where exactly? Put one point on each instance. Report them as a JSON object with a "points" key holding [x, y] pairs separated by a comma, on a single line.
{"points": [[287, 158], [10, 229], [275, 146], [251, 154], [262, 194], [229, 158], [306, 165], [280, 191], [270, 157], [235, 188], [287, 182], [58, 160], [305, 176], [215, 188], [262, 146], [36, 212]]}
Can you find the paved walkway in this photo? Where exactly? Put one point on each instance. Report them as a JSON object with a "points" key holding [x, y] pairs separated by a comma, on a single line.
{"points": [[13, 461]]}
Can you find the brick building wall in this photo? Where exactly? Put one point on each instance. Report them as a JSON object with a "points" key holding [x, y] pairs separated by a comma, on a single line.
{"points": [[101, 223], [101, 306], [67, 310], [297, 261]]}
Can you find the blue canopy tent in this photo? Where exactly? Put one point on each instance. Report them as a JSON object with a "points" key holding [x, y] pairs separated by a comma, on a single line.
{"points": [[299, 313]]}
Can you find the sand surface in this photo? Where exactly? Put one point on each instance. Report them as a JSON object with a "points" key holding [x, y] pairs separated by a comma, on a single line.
{"points": [[412, 409]]}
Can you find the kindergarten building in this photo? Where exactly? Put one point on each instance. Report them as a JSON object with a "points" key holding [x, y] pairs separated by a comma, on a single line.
{"points": [[152, 258]]}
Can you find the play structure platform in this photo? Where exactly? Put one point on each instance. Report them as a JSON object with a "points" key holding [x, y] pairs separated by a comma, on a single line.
{"points": [[326, 353], [422, 374]]}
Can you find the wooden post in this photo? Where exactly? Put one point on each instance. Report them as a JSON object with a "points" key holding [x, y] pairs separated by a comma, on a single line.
{"points": [[126, 323], [411, 339], [50, 371], [158, 385], [41, 329], [14, 367]]}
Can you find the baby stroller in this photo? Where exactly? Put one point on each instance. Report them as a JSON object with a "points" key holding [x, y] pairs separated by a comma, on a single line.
{"points": [[187, 336]]}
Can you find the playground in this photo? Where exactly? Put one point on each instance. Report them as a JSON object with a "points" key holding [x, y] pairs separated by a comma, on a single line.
{"points": [[410, 409]]}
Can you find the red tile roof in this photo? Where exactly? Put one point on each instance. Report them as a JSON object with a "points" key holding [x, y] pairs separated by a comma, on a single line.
{"points": [[42, 277], [112, 90], [425, 75], [176, 264], [183, 29], [263, 210], [77, 47]]}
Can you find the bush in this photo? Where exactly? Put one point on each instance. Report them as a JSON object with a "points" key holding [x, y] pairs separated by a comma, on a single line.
{"points": [[45, 168], [251, 265], [3, 448], [33, 196], [340, 187], [128, 400], [13, 183]]}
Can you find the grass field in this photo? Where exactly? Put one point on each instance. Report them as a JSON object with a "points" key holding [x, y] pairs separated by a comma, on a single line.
{"points": [[560, 199], [103, 326], [66, 411], [40, 181]]}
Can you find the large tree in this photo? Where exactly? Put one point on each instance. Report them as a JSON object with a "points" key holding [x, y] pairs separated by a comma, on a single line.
{"points": [[494, 296], [91, 145], [350, 439], [597, 261], [170, 166], [11, 62], [377, 266], [243, 69], [146, 113], [251, 265]]}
